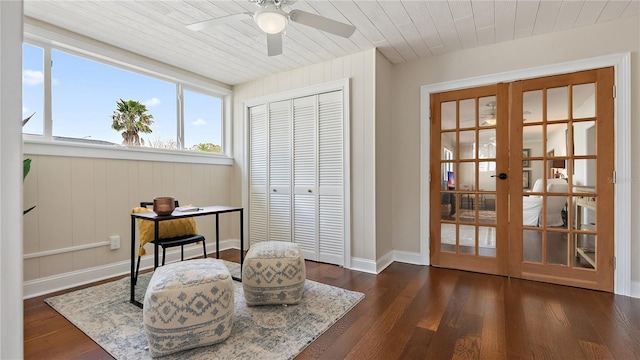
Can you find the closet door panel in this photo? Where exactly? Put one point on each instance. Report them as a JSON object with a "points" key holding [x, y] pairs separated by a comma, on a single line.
{"points": [[258, 174], [331, 244], [305, 172], [331, 177], [280, 171]]}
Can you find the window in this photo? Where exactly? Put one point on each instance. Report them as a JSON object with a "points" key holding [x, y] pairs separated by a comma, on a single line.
{"points": [[32, 88], [85, 92], [202, 119]]}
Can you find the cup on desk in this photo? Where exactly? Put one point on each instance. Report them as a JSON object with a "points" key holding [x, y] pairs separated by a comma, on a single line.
{"points": [[164, 205]]}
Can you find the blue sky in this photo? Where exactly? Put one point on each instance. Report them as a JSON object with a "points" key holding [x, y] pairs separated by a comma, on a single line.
{"points": [[85, 93]]}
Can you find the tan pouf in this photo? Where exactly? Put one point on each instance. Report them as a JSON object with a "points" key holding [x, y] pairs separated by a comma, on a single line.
{"points": [[273, 272], [188, 304]]}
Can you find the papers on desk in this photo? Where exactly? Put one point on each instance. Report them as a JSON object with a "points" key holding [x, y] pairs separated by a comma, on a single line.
{"points": [[187, 208]]}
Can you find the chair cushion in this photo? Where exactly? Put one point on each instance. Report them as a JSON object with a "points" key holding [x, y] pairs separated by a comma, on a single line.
{"points": [[168, 229]]}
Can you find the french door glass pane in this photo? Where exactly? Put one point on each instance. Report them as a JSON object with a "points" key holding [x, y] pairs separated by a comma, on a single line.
{"points": [[448, 115], [487, 111], [532, 110], [467, 239], [558, 103], [532, 246], [557, 250], [584, 138], [584, 100], [448, 237], [468, 113], [467, 144], [487, 240], [448, 141]]}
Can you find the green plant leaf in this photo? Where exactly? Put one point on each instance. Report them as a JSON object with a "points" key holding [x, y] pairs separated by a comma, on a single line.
{"points": [[26, 166]]}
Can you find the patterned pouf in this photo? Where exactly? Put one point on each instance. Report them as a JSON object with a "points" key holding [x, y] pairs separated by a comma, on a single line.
{"points": [[273, 272], [188, 304]]}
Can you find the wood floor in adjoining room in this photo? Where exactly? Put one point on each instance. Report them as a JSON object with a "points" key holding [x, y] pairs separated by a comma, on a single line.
{"points": [[421, 312]]}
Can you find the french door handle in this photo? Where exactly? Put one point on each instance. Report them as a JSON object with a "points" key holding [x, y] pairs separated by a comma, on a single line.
{"points": [[501, 176]]}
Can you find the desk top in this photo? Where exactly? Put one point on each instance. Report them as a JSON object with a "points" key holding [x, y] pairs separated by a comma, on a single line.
{"points": [[200, 211]]}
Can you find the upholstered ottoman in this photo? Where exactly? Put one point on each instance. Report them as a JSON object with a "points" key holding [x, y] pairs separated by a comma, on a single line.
{"points": [[273, 272], [188, 304]]}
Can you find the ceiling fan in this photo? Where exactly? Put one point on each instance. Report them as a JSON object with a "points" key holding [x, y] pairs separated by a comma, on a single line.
{"points": [[271, 19], [490, 115]]}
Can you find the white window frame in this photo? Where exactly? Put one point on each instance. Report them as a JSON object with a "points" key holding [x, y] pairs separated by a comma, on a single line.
{"points": [[51, 38]]}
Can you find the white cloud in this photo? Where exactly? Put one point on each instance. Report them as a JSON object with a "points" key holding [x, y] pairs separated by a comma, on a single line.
{"points": [[151, 102], [199, 122], [25, 110], [32, 77]]}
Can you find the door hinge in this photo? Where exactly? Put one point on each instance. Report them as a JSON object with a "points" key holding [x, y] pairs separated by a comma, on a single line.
{"points": [[614, 179], [429, 178], [614, 263], [614, 91]]}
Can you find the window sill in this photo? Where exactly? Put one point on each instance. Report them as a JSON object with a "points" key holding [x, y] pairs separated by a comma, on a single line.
{"points": [[60, 148]]}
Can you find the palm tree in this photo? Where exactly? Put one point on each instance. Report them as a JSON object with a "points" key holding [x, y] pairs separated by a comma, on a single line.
{"points": [[131, 118]]}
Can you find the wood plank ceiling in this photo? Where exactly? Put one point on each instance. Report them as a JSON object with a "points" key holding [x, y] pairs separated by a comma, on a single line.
{"points": [[235, 53]]}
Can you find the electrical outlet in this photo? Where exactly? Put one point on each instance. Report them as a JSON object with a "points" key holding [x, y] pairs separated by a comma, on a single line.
{"points": [[115, 242]]}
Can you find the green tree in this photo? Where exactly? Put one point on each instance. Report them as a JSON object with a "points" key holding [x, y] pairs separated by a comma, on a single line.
{"points": [[132, 119], [206, 147]]}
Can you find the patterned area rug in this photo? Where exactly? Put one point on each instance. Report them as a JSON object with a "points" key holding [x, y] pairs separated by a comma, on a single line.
{"points": [[104, 313]]}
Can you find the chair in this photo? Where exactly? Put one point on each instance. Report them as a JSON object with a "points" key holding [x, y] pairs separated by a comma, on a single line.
{"points": [[181, 232], [532, 205]]}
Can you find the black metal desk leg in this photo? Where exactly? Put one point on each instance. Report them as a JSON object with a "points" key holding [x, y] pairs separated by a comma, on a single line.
{"points": [[217, 236], [133, 240], [156, 231], [241, 240]]}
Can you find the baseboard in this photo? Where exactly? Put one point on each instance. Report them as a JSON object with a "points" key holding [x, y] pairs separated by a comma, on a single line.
{"points": [[635, 289], [375, 267], [407, 257], [384, 261], [47, 285], [364, 265]]}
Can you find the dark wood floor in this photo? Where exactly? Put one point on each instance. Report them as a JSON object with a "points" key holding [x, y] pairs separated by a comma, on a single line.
{"points": [[421, 312]]}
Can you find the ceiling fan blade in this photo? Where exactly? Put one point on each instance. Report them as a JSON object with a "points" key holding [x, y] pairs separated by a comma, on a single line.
{"points": [[274, 44], [322, 23], [201, 25]]}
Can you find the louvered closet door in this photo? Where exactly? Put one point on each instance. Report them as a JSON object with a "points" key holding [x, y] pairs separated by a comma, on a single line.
{"points": [[258, 174], [305, 232], [279, 171], [331, 178]]}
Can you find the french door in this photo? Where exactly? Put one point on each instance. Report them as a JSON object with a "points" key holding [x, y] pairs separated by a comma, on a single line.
{"points": [[521, 182], [468, 151]]}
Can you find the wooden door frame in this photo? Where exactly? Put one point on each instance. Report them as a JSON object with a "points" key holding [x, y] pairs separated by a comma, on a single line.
{"points": [[622, 125]]}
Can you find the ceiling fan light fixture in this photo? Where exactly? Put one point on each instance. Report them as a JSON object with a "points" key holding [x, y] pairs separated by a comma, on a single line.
{"points": [[271, 20]]}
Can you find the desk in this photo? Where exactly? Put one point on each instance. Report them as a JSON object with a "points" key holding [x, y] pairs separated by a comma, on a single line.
{"points": [[202, 211]]}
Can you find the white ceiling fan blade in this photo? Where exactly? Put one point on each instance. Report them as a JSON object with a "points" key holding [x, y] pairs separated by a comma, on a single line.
{"points": [[201, 25], [322, 23], [274, 44]]}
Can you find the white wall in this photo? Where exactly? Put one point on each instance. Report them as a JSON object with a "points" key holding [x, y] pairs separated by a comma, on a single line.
{"points": [[10, 180], [360, 68], [384, 175], [575, 44]]}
